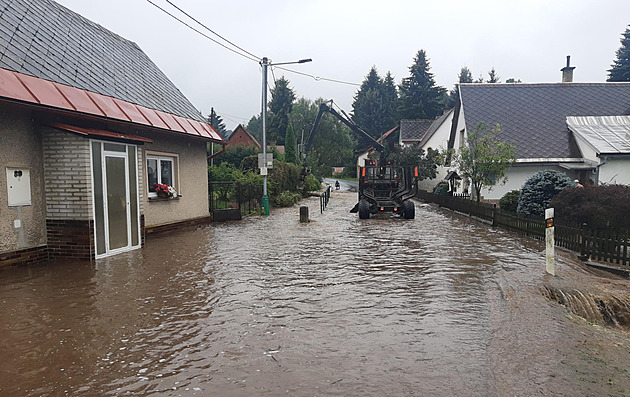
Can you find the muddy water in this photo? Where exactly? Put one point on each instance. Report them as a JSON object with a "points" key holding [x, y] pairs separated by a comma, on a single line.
{"points": [[435, 306]]}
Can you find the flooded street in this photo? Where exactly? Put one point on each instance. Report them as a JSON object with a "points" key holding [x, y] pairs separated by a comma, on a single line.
{"points": [[437, 306]]}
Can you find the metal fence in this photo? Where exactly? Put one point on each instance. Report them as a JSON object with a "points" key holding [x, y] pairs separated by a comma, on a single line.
{"points": [[324, 198], [603, 245], [232, 200]]}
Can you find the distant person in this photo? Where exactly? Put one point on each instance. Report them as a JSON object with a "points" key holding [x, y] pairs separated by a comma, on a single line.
{"points": [[577, 183]]}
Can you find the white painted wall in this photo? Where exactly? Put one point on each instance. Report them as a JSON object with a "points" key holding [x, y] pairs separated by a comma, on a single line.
{"points": [[517, 175], [615, 171]]}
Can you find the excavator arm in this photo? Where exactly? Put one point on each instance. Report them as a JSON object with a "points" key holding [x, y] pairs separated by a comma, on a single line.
{"points": [[327, 107]]}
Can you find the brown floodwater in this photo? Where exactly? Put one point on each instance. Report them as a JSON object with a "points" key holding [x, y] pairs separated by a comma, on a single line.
{"points": [[436, 306]]}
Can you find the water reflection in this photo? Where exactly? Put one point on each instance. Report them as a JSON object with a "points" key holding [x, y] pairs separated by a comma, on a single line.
{"points": [[265, 307]]}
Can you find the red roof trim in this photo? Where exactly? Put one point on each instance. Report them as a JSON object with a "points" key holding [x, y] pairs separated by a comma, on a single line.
{"points": [[99, 133], [25, 88]]}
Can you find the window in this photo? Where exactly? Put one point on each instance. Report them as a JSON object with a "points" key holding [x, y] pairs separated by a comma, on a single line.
{"points": [[160, 169]]}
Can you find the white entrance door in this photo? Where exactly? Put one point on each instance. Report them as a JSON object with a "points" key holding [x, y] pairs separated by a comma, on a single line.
{"points": [[115, 187]]}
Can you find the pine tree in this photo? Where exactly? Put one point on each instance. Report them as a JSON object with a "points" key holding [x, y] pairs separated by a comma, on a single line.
{"points": [[620, 70], [420, 97], [281, 104], [290, 152], [464, 76], [217, 123], [493, 76], [374, 106], [390, 99]]}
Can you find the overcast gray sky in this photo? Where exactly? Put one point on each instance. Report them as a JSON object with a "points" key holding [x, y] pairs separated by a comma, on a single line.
{"points": [[527, 40]]}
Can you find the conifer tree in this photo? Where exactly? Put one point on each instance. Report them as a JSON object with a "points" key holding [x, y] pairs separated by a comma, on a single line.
{"points": [[420, 97], [217, 123], [493, 77], [620, 70], [464, 76], [281, 104], [373, 109]]}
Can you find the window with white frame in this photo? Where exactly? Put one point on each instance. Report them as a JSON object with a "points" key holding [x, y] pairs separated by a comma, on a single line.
{"points": [[161, 169]]}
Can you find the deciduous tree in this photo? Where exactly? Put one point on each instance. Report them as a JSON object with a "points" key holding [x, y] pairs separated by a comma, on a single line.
{"points": [[484, 159]]}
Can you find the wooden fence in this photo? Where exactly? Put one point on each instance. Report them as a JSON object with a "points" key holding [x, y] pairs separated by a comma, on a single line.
{"points": [[605, 246]]}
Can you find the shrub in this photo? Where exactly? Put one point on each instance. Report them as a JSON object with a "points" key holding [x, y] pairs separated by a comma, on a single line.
{"points": [[441, 189], [539, 189], [286, 199], [601, 207], [234, 155], [509, 201], [311, 183]]}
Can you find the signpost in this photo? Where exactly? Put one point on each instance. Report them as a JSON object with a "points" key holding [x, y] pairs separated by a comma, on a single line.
{"points": [[549, 240]]}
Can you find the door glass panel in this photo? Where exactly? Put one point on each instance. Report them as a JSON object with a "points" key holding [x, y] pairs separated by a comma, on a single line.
{"points": [[99, 210], [153, 175], [166, 172], [116, 202], [133, 194]]}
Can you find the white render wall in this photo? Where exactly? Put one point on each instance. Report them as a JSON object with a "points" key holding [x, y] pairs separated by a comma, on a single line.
{"points": [[517, 175], [615, 171]]}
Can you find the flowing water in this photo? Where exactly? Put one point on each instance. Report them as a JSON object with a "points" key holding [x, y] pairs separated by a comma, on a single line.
{"points": [[439, 305]]}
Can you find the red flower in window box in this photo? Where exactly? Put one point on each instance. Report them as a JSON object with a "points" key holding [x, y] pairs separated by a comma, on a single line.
{"points": [[165, 191]]}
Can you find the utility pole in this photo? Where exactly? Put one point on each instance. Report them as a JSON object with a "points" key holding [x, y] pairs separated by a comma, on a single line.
{"points": [[265, 63]]}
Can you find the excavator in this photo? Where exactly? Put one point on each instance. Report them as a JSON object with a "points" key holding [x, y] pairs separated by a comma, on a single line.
{"points": [[383, 186]]}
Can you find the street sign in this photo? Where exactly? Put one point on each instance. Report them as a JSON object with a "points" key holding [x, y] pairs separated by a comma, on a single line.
{"points": [[269, 160]]}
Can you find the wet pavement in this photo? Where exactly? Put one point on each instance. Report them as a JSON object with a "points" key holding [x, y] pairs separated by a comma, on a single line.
{"points": [[440, 305]]}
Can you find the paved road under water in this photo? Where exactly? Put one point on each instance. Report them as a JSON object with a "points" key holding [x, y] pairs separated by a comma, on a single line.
{"points": [[440, 305]]}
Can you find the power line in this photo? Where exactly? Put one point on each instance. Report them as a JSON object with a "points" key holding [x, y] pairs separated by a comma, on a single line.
{"points": [[201, 33], [245, 54], [317, 78], [210, 30]]}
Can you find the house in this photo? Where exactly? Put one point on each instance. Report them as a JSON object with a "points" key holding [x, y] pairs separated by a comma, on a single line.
{"points": [[89, 125], [428, 134], [240, 137], [387, 137], [553, 127], [605, 144]]}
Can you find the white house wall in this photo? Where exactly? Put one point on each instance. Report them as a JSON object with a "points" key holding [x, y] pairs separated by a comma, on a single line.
{"points": [[517, 175], [587, 150], [615, 171]]}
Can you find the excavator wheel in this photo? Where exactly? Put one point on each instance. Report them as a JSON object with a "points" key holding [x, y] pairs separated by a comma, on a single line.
{"points": [[364, 209], [409, 209]]}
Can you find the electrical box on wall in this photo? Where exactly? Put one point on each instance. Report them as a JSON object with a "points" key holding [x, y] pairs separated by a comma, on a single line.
{"points": [[19, 186]]}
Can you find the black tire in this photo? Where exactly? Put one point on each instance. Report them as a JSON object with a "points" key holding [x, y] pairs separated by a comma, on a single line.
{"points": [[409, 209], [364, 209]]}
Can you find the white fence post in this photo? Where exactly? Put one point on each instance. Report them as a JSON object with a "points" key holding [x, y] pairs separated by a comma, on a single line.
{"points": [[549, 239]]}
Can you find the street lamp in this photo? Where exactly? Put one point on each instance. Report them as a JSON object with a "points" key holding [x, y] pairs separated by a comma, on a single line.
{"points": [[265, 63]]}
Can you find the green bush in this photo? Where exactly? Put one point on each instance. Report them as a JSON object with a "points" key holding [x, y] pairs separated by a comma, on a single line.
{"points": [[312, 183], [285, 199], [234, 155], [221, 173], [600, 207], [539, 189], [509, 201], [441, 189]]}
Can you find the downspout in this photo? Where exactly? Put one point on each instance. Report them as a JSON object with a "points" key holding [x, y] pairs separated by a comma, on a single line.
{"points": [[219, 152]]}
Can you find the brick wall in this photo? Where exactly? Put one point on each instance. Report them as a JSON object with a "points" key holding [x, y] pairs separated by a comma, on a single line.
{"points": [[70, 238], [67, 176]]}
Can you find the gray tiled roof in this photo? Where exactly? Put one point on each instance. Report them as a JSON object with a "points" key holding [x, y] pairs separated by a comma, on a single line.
{"points": [[414, 130], [533, 116], [44, 39]]}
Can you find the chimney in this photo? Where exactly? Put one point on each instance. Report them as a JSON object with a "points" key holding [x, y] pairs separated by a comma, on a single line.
{"points": [[567, 71]]}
